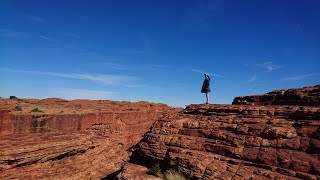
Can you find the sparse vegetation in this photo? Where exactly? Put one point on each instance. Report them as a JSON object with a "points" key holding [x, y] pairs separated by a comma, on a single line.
{"points": [[173, 175], [155, 170], [13, 97], [18, 108], [36, 110], [167, 175], [61, 112]]}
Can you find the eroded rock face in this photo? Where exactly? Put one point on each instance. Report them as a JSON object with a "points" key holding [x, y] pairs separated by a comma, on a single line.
{"points": [[307, 96], [58, 139], [236, 142], [78, 139]]}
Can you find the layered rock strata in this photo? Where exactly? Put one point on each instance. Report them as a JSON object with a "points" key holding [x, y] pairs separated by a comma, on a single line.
{"points": [[307, 96], [70, 139], [236, 142]]}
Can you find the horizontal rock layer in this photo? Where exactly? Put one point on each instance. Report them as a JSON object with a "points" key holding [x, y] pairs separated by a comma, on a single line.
{"points": [[236, 142], [82, 145], [307, 96]]}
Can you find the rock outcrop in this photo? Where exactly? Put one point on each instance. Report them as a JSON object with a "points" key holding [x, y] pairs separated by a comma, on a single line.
{"points": [[307, 96], [236, 142], [62, 139], [273, 136]]}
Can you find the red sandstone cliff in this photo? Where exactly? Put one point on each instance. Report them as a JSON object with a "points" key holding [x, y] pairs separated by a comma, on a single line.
{"points": [[307, 96], [89, 139], [70, 139], [237, 142]]}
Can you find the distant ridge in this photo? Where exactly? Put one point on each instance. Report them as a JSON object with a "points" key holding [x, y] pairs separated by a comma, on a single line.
{"points": [[306, 96]]}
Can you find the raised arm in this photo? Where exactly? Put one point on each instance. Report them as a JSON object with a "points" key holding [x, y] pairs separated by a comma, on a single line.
{"points": [[207, 76]]}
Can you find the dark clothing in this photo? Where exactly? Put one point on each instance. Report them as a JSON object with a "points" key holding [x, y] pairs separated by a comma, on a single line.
{"points": [[206, 85]]}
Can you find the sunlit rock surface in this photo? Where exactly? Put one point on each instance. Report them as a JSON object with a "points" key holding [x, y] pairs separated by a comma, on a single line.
{"points": [[78, 139], [307, 96], [236, 142]]}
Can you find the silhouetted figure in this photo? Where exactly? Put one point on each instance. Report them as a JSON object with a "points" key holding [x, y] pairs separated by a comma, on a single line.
{"points": [[206, 87]]}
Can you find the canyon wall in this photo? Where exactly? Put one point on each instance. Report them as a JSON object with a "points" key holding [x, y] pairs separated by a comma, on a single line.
{"points": [[236, 142], [271, 136], [82, 141]]}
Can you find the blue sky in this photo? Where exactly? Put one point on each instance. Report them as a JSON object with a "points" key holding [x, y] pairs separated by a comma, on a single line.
{"points": [[157, 50]]}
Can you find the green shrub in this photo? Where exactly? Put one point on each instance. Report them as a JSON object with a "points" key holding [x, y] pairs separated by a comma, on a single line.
{"points": [[13, 97], [36, 110], [18, 108], [155, 170]]}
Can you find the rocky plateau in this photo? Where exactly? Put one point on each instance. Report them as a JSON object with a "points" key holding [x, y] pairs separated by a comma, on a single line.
{"points": [[271, 136]]}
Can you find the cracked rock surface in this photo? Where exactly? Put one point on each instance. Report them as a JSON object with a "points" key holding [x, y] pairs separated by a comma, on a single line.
{"points": [[237, 142], [79, 139]]}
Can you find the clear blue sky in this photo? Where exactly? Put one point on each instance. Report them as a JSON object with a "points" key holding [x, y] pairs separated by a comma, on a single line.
{"points": [[156, 50]]}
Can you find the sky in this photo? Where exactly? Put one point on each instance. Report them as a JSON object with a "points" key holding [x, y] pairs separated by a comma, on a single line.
{"points": [[157, 50]]}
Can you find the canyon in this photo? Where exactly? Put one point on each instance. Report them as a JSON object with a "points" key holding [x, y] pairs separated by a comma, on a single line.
{"points": [[81, 139], [270, 136]]}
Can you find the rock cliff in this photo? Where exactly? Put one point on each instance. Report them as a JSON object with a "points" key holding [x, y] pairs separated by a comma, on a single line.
{"points": [[272, 136], [236, 142], [307, 96], [59, 139]]}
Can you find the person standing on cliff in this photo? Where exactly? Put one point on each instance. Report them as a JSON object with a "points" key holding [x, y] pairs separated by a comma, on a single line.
{"points": [[206, 87]]}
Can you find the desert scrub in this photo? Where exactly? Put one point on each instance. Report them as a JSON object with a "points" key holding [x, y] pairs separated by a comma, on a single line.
{"points": [[61, 112], [155, 170], [173, 175], [167, 175], [18, 108], [36, 110], [13, 97]]}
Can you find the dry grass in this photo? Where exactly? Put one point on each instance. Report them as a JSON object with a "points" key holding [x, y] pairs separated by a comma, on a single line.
{"points": [[173, 175], [168, 175]]}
